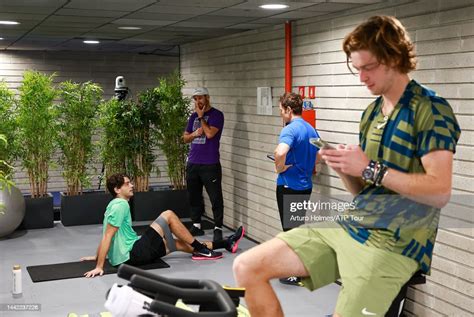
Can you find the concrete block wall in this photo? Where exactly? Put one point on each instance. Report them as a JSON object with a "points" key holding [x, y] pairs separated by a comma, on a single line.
{"points": [[233, 67], [140, 72]]}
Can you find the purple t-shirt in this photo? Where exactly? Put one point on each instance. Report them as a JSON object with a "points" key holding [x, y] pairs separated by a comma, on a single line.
{"points": [[204, 150]]}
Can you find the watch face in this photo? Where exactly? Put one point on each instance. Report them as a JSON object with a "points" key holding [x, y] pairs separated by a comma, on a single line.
{"points": [[367, 174]]}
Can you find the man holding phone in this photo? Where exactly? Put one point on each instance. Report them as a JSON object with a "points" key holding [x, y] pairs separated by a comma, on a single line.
{"points": [[320, 143], [294, 163], [294, 159], [400, 174]]}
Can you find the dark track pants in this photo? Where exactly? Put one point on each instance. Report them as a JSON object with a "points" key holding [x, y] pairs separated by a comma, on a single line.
{"points": [[286, 196], [210, 177]]}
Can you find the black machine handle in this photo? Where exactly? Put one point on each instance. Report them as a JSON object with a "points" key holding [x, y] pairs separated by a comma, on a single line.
{"points": [[207, 292], [190, 291], [126, 272]]}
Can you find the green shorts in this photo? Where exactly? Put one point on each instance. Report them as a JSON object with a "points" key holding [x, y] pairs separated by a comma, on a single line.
{"points": [[371, 277]]}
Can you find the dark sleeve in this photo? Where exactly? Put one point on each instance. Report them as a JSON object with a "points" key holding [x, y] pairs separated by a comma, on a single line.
{"points": [[216, 120]]}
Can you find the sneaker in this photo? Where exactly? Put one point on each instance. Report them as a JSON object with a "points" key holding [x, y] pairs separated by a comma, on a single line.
{"points": [[234, 239], [195, 231], [292, 280], [217, 235], [206, 254]]}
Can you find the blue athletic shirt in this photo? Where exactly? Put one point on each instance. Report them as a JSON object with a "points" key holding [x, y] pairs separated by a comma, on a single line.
{"points": [[302, 155]]}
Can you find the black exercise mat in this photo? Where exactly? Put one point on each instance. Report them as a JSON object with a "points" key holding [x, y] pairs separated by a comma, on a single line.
{"points": [[60, 271], [205, 225]]}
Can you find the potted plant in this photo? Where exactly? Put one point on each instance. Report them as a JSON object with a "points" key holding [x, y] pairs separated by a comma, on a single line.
{"points": [[138, 118], [76, 124], [12, 203], [5, 182], [172, 114], [112, 151], [5, 168], [35, 144], [7, 129], [141, 117], [127, 143]]}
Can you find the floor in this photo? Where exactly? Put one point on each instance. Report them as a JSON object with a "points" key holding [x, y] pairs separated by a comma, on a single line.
{"points": [[82, 296]]}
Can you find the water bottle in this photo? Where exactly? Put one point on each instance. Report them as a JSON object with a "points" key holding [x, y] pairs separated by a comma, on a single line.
{"points": [[16, 289]]}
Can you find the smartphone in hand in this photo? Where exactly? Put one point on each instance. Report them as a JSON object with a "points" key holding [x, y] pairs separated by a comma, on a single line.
{"points": [[320, 143], [271, 157]]}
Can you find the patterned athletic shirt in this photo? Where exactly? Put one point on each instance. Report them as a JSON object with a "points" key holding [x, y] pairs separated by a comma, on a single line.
{"points": [[420, 123]]}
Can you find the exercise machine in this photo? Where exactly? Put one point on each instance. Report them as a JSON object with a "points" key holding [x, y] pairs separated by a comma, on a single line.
{"points": [[155, 295]]}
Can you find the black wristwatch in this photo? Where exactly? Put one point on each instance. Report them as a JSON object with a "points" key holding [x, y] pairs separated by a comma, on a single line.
{"points": [[368, 174]]}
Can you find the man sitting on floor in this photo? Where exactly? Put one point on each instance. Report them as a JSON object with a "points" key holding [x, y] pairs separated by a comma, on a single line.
{"points": [[122, 245]]}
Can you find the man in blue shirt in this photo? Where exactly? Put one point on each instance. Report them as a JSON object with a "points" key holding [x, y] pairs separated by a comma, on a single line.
{"points": [[294, 162]]}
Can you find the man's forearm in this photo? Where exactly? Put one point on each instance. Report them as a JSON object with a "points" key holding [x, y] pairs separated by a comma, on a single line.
{"points": [[353, 184], [97, 252], [280, 163], [208, 131], [102, 252], [188, 138], [422, 188]]}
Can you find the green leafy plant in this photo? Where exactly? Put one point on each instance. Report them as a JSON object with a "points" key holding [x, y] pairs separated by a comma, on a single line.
{"points": [[5, 170], [139, 118], [7, 129], [36, 133], [127, 142], [5, 167], [173, 113], [75, 124], [112, 140]]}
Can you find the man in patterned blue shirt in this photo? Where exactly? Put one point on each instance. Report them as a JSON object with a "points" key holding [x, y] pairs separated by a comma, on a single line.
{"points": [[400, 175]]}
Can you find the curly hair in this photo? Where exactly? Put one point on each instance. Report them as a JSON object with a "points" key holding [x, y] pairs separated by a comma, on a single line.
{"points": [[387, 39], [292, 101], [115, 181]]}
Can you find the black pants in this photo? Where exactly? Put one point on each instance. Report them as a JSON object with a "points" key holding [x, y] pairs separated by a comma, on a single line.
{"points": [[285, 197], [209, 176]]}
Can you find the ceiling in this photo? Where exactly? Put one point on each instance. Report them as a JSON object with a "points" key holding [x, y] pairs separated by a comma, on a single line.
{"points": [[165, 24]]}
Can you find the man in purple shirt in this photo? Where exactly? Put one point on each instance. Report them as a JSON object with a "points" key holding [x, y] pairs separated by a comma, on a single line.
{"points": [[204, 132]]}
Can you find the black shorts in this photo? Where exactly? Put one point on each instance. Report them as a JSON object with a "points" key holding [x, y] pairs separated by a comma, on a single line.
{"points": [[147, 249]]}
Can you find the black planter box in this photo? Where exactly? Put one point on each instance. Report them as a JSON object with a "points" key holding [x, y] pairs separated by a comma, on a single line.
{"points": [[85, 209], [149, 205], [38, 213]]}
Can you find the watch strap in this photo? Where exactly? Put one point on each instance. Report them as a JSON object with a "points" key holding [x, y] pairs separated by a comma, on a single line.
{"points": [[381, 172]]}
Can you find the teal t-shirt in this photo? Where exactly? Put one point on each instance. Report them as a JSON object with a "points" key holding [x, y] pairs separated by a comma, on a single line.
{"points": [[118, 215]]}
